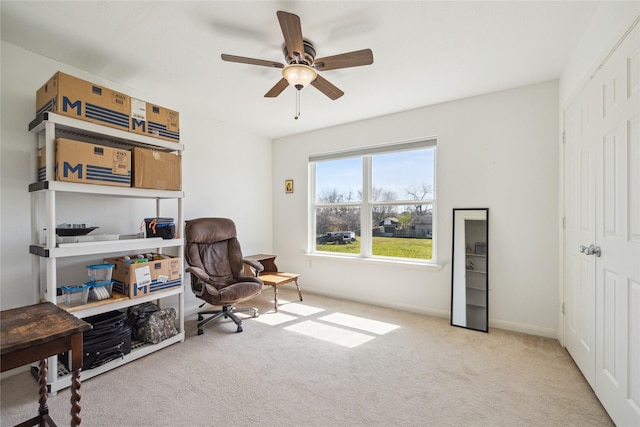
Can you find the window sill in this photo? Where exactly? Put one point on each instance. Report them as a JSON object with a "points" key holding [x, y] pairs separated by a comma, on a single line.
{"points": [[377, 261]]}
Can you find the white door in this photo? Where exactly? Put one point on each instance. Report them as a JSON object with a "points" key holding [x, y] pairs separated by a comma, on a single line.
{"points": [[580, 223], [602, 208], [618, 234]]}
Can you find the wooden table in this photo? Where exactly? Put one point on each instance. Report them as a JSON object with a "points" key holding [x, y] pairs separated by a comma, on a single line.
{"points": [[279, 279], [271, 276], [36, 332]]}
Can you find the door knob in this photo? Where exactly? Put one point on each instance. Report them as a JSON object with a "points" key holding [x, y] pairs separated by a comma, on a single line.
{"points": [[591, 250]]}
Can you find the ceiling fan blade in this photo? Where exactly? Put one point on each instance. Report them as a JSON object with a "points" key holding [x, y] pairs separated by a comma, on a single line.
{"points": [[277, 89], [324, 86], [344, 60], [292, 32], [243, 60]]}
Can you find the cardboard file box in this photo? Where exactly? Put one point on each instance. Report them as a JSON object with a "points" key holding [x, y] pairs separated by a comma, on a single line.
{"points": [[156, 170], [154, 120], [70, 96], [42, 164], [92, 164], [145, 278]]}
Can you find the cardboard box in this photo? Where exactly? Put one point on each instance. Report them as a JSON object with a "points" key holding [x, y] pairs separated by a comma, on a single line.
{"points": [[92, 164], [80, 99], [139, 279], [42, 164], [153, 120], [156, 170]]}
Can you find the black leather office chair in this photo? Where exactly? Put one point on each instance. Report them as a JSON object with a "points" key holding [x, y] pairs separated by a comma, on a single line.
{"points": [[216, 265]]}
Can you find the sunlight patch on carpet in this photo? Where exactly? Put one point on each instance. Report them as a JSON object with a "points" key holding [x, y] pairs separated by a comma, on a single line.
{"points": [[330, 333], [362, 323], [300, 309], [273, 318]]}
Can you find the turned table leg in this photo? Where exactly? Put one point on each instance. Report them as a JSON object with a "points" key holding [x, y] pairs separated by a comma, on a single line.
{"points": [[76, 364], [75, 398], [42, 382], [275, 297], [299, 293]]}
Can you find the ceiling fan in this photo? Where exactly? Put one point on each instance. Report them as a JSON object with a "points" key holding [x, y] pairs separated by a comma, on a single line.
{"points": [[302, 67]]}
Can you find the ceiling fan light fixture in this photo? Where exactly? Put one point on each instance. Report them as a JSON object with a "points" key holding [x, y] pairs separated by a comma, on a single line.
{"points": [[299, 75]]}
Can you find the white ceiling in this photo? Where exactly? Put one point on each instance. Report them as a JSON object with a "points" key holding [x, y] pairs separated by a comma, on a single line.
{"points": [[425, 52]]}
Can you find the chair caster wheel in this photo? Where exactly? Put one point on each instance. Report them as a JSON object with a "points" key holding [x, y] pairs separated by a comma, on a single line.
{"points": [[200, 317], [239, 329], [200, 332], [256, 314]]}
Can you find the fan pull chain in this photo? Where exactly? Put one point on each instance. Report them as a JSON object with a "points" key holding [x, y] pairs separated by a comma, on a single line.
{"points": [[297, 105]]}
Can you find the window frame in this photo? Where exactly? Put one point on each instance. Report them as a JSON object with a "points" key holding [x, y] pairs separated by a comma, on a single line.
{"points": [[366, 205]]}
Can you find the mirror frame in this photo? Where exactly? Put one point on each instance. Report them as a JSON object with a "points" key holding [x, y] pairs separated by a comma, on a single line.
{"points": [[459, 270]]}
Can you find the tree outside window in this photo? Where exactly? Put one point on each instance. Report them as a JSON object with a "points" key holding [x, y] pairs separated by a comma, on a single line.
{"points": [[378, 204]]}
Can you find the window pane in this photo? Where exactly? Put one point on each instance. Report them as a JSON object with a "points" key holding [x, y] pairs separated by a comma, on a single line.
{"points": [[403, 175], [339, 181], [402, 231], [338, 229]]}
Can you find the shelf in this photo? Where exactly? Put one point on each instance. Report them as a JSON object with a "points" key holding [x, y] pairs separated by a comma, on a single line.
{"points": [[138, 350], [117, 302], [476, 255], [99, 134], [469, 304], [46, 128], [476, 297], [476, 271], [103, 247], [104, 190]]}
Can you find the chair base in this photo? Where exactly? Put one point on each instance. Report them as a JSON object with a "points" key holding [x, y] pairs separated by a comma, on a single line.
{"points": [[227, 311]]}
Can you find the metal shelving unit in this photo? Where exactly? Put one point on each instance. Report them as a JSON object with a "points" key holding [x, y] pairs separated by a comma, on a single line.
{"points": [[48, 127]]}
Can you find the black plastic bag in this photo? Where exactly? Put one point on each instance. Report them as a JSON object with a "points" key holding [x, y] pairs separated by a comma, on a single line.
{"points": [[139, 314]]}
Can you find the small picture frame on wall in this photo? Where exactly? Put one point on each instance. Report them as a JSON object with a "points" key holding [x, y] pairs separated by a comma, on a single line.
{"points": [[288, 186]]}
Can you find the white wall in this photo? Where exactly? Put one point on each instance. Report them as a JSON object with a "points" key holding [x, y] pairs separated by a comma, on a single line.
{"points": [[224, 171], [497, 151], [608, 24]]}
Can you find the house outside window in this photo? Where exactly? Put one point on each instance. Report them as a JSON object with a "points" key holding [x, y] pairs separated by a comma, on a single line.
{"points": [[375, 202]]}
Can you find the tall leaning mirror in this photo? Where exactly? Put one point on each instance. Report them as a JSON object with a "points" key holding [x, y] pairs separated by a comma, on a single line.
{"points": [[470, 272]]}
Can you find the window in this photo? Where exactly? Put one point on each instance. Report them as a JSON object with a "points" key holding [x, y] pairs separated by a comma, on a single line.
{"points": [[374, 202]]}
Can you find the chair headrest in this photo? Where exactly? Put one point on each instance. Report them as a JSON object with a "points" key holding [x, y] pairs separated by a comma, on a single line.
{"points": [[209, 230]]}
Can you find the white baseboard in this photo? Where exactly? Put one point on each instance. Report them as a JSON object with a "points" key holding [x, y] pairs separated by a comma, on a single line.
{"points": [[493, 323], [526, 329]]}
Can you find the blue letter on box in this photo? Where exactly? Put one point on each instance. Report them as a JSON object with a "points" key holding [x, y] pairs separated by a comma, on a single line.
{"points": [[138, 123], [67, 168], [73, 105]]}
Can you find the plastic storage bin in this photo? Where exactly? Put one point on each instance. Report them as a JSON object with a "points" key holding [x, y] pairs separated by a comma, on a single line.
{"points": [[75, 295], [100, 291], [100, 273]]}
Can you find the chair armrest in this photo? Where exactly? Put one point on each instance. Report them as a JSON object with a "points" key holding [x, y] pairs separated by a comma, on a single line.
{"points": [[257, 267], [198, 272]]}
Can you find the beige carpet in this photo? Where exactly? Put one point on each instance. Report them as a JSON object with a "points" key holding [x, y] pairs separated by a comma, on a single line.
{"points": [[323, 363]]}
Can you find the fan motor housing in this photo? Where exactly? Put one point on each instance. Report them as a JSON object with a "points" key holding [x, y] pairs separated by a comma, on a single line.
{"points": [[309, 54]]}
